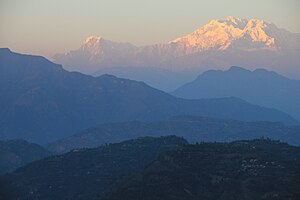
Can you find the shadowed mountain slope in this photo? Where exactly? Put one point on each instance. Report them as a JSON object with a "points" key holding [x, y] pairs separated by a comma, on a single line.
{"points": [[42, 102], [17, 153], [260, 87]]}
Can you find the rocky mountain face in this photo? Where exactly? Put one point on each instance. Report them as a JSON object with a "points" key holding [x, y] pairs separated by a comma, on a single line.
{"points": [[218, 44], [236, 33]]}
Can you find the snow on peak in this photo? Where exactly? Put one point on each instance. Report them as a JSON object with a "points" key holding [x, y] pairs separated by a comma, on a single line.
{"points": [[92, 44], [92, 39], [233, 20], [259, 31], [231, 41], [236, 22], [221, 34]]}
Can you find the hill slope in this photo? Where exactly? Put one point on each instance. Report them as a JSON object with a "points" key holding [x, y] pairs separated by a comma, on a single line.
{"points": [[17, 153], [261, 87], [85, 173], [42, 102], [258, 169], [194, 129]]}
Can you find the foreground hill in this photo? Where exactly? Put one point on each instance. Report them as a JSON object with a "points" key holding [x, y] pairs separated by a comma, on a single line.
{"points": [[260, 87], [17, 153], [85, 173], [194, 129], [42, 102], [243, 170], [162, 168]]}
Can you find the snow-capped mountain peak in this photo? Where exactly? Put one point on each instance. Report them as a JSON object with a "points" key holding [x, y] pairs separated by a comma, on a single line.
{"points": [[238, 22], [232, 32], [92, 39], [219, 43], [92, 45], [258, 32]]}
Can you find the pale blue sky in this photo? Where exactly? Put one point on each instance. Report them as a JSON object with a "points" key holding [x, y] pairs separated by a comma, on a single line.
{"points": [[53, 26]]}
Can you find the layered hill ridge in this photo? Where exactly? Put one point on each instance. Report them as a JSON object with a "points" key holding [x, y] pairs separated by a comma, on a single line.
{"points": [[42, 102], [260, 86], [194, 129], [220, 43]]}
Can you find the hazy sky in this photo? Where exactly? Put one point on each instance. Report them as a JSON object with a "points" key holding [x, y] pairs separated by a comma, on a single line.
{"points": [[53, 26]]}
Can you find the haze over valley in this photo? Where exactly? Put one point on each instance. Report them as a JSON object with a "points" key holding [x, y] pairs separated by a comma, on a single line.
{"points": [[179, 100]]}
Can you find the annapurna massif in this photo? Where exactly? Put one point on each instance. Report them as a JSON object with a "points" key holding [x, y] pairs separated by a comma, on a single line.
{"points": [[219, 44]]}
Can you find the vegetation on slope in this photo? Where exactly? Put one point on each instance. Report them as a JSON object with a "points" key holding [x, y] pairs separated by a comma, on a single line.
{"points": [[258, 169]]}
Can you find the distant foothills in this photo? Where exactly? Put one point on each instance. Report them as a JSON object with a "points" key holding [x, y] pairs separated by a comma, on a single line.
{"points": [[41, 102], [260, 87], [219, 44]]}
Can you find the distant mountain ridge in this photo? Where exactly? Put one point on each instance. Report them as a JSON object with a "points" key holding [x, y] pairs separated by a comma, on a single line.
{"points": [[193, 129], [42, 102], [218, 44], [261, 87]]}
